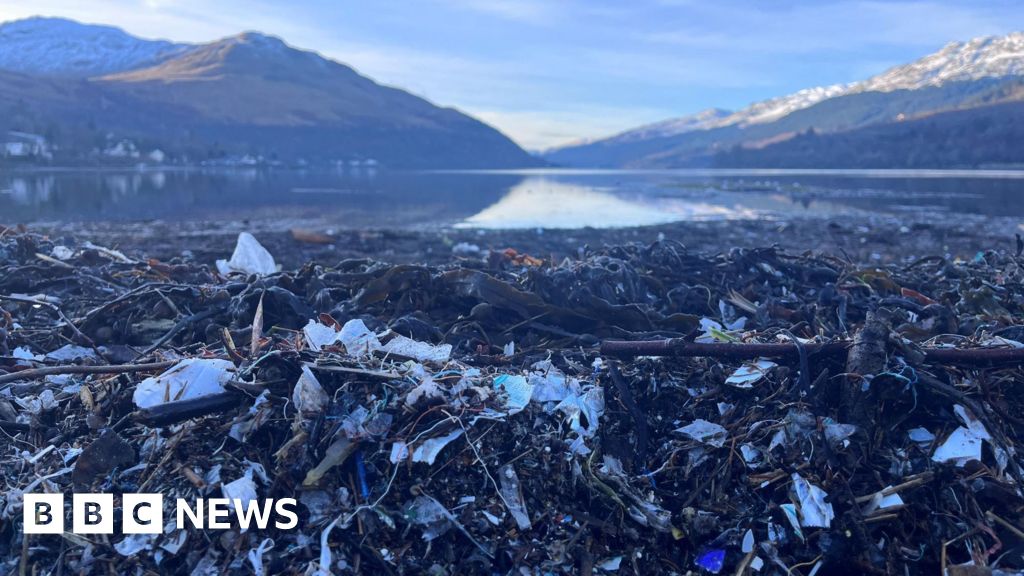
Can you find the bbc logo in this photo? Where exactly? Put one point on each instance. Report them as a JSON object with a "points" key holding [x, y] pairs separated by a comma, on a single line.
{"points": [[93, 514]]}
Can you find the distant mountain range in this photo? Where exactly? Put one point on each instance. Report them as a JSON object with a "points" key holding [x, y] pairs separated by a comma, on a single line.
{"points": [[90, 90], [962, 106]]}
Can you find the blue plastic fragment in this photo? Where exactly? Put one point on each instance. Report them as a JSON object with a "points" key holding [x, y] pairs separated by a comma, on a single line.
{"points": [[712, 560], [361, 474]]}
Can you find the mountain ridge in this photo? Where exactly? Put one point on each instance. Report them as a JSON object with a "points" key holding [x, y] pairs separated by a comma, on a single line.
{"points": [[250, 94], [957, 65]]}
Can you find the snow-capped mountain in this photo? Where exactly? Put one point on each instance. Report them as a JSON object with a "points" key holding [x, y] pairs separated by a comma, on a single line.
{"points": [[703, 120], [57, 46], [973, 65], [988, 57], [248, 94]]}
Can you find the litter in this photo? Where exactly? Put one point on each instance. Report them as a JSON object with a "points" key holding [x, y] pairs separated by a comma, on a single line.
{"points": [[188, 379], [964, 444], [427, 451], [749, 374], [460, 416], [706, 432], [249, 257], [814, 511]]}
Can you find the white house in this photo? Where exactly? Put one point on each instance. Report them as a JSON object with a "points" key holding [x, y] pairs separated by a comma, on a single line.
{"points": [[24, 145], [122, 149]]}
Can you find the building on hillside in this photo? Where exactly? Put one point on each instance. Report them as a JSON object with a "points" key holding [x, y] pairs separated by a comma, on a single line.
{"points": [[24, 145]]}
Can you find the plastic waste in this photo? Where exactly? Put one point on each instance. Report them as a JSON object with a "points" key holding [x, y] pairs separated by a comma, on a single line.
{"points": [[308, 395], [705, 432], [429, 449], [751, 373], [815, 512], [512, 496], [711, 560], [249, 257], [188, 379], [964, 444]]}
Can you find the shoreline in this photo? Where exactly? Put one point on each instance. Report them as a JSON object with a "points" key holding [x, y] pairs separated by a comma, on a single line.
{"points": [[868, 239]]}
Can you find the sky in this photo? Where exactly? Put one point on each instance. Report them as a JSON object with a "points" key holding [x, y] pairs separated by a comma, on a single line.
{"points": [[551, 72]]}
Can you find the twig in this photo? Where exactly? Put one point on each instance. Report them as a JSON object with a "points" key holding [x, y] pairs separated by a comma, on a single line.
{"points": [[682, 348], [76, 369], [174, 412]]}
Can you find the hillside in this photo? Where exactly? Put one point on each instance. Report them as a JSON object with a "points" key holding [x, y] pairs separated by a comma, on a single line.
{"points": [[248, 94], [960, 76], [973, 138]]}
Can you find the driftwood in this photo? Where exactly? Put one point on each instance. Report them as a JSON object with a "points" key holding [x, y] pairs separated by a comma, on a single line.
{"points": [[174, 412], [76, 369], [683, 348]]}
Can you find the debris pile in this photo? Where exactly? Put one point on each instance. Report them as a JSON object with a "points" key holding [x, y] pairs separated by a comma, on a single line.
{"points": [[633, 410]]}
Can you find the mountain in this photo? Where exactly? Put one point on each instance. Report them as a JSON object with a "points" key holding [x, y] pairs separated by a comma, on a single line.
{"points": [[55, 46], [961, 75], [87, 86]]}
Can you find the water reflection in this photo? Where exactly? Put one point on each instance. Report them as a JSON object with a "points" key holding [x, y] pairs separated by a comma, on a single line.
{"points": [[540, 202], [554, 199]]}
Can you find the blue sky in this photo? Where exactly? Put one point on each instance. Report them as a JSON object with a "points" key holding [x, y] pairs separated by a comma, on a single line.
{"points": [[550, 72]]}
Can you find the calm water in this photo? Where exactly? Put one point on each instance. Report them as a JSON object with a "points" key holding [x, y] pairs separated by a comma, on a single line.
{"points": [[541, 198]]}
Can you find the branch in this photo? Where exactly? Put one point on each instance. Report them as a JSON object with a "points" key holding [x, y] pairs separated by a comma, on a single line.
{"points": [[76, 369], [681, 348]]}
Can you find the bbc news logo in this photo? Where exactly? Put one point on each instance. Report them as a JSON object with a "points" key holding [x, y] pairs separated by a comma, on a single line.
{"points": [[144, 513]]}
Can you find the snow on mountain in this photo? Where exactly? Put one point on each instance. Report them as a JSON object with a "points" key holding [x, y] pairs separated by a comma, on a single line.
{"points": [[987, 57], [56, 46], [703, 120]]}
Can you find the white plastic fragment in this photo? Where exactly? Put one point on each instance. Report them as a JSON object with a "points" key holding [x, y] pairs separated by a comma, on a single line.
{"points": [[814, 511], [880, 502], [308, 395], [421, 351], [358, 339], [748, 542], [705, 432], [588, 407], [921, 436], [750, 373], [23, 353], [318, 335], [399, 452], [512, 496], [70, 353], [550, 384], [250, 257], [243, 489], [964, 444], [429, 449], [190, 378], [61, 252], [132, 544], [837, 435], [610, 564], [518, 390], [751, 454], [255, 556]]}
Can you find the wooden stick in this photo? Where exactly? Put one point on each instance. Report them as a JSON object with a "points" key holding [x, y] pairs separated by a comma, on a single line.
{"points": [[682, 348], [174, 412], [76, 369]]}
